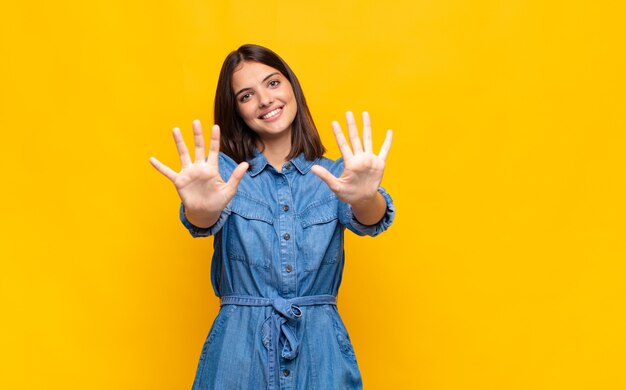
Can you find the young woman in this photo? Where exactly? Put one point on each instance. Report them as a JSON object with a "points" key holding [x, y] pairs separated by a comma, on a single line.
{"points": [[277, 210]]}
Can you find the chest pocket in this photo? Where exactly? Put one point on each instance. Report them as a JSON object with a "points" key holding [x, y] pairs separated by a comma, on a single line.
{"points": [[250, 231], [322, 240]]}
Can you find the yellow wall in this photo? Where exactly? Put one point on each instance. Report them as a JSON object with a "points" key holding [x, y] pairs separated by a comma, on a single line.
{"points": [[505, 268]]}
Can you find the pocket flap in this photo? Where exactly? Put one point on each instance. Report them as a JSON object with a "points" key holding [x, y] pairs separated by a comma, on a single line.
{"points": [[250, 208], [318, 212]]}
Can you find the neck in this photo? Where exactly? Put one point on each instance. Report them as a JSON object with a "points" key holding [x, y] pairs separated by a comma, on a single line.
{"points": [[276, 150]]}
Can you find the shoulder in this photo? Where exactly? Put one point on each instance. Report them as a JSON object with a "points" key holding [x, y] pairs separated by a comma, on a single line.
{"points": [[226, 161], [226, 165]]}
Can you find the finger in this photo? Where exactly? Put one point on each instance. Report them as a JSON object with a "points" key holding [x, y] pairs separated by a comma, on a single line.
{"points": [[367, 133], [236, 176], [165, 170], [198, 141], [183, 153], [214, 145], [353, 133], [328, 178], [384, 150], [344, 148]]}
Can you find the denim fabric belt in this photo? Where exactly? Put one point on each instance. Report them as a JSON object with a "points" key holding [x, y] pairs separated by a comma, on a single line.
{"points": [[279, 327]]}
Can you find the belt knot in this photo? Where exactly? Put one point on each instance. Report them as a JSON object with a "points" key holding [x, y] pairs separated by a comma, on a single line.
{"points": [[280, 327]]}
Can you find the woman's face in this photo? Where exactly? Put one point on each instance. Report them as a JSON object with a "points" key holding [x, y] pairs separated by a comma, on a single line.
{"points": [[265, 100]]}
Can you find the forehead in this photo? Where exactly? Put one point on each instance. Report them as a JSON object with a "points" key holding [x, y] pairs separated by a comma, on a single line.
{"points": [[249, 73]]}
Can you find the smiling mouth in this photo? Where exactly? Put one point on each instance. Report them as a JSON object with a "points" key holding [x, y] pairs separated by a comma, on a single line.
{"points": [[272, 113]]}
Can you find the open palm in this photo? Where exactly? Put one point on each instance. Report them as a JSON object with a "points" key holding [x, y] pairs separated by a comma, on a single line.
{"points": [[363, 170], [199, 184]]}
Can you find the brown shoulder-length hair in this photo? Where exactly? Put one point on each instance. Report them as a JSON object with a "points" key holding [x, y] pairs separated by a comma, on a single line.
{"points": [[237, 140]]}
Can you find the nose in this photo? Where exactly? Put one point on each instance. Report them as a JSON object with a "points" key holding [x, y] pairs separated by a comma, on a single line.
{"points": [[265, 99]]}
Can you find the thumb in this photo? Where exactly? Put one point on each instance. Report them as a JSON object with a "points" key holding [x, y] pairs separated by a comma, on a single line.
{"points": [[236, 176], [327, 177]]}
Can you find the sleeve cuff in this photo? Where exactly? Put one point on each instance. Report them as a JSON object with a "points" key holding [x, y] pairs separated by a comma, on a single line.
{"points": [[203, 232], [372, 230]]}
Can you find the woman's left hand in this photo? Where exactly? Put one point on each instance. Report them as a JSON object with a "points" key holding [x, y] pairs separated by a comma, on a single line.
{"points": [[363, 170]]}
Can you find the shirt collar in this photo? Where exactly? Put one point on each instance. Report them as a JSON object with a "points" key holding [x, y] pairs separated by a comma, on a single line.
{"points": [[302, 164], [258, 162]]}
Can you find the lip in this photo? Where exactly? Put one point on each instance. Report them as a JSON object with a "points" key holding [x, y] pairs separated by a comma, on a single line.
{"points": [[275, 117]]}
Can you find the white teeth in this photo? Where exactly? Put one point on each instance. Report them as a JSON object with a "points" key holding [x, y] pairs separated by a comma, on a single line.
{"points": [[271, 114]]}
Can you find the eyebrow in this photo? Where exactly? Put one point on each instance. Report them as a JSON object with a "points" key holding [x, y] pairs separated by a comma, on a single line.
{"points": [[265, 79]]}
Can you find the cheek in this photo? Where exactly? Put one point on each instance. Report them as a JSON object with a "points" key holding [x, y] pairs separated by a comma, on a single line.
{"points": [[290, 96], [245, 112], [293, 104]]}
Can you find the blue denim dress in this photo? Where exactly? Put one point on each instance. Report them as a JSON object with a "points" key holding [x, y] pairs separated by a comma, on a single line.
{"points": [[277, 265]]}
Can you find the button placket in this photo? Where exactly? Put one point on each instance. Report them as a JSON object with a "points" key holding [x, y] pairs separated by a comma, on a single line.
{"points": [[286, 376], [286, 221]]}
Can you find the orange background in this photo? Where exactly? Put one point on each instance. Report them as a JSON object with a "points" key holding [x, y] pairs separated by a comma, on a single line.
{"points": [[505, 268]]}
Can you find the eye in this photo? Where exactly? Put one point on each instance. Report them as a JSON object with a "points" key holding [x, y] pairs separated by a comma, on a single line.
{"points": [[274, 83], [244, 97]]}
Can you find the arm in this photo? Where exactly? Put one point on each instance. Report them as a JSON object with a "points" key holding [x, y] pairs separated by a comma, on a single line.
{"points": [[370, 211]]}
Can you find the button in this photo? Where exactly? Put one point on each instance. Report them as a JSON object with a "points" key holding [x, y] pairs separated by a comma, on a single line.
{"points": [[288, 166], [285, 207], [286, 372], [288, 268], [286, 236]]}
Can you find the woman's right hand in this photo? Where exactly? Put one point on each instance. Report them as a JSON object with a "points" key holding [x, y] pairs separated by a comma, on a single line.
{"points": [[199, 184]]}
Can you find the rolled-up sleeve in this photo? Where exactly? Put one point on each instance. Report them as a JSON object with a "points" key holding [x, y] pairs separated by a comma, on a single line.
{"points": [[204, 232], [347, 218]]}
